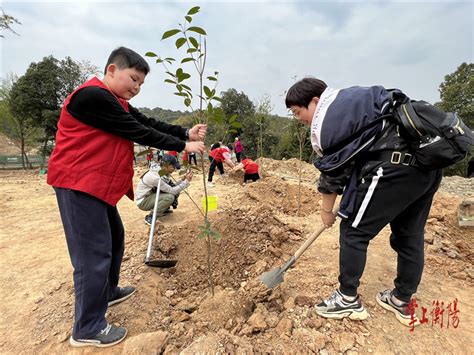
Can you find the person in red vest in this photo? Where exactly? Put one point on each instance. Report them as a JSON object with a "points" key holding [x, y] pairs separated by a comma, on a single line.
{"points": [[91, 169], [218, 155], [250, 168]]}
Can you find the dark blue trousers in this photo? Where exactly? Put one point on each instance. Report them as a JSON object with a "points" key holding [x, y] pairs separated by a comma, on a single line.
{"points": [[95, 239]]}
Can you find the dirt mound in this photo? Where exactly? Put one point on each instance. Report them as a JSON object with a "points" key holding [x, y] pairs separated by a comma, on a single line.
{"points": [[289, 169]]}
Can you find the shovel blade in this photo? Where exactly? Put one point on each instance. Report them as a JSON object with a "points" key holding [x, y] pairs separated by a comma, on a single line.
{"points": [[274, 277], [165, 263]]}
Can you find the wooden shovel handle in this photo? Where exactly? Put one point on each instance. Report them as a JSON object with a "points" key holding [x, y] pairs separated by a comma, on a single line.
{"points": [[309, 241]]}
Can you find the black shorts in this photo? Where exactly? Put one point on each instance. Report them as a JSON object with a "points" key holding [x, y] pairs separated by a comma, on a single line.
{"points": [[253, 177]]}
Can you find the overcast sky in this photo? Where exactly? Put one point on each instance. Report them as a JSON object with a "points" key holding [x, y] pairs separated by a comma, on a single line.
{"points": [[257, 47]]}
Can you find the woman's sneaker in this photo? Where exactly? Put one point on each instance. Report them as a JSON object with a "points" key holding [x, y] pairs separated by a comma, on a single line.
{"points": [[338, 307], [109, 336], [403, 314]]}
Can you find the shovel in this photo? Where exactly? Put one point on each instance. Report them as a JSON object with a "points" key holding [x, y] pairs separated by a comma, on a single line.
{"points": [[162, 263], [274, 277]]}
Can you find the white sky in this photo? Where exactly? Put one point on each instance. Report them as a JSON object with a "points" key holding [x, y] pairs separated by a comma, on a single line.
{"points": [[257, 47]]}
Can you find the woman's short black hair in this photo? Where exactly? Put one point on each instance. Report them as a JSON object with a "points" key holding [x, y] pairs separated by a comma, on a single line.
{"points": [[302, 92], [125, 58]]}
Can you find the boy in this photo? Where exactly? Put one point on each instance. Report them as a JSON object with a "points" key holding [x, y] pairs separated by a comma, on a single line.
{"points": [[250, 168], [90, 169], [362, 157], [217, 156], [169, 192]]}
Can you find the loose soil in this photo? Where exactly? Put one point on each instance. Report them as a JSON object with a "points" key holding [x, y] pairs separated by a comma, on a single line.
{"points": [[260, 227]]}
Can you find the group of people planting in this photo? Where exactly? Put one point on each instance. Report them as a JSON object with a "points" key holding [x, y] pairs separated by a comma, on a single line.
{"points": [[91, 169]]}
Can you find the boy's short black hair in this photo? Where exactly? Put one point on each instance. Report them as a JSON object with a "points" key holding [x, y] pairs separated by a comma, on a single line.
{"points": [[125, 58], [302, 92]]}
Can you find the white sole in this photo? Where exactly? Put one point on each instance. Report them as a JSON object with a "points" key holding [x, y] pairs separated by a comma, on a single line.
{"points": [[405, 321], [354, 315], [79, 344], [111, 303]]}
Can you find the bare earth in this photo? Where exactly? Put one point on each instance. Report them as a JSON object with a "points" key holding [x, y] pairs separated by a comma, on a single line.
{"points": [[173, 310]]}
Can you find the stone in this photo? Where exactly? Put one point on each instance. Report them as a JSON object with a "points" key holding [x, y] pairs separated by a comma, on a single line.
{"points": [[301, 301], [146, 343], [284, 327], [289, 303], [344, 342]]}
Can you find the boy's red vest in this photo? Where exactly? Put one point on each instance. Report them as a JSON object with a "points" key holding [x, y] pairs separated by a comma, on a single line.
{"points": [[90, 160], [218, 154]]}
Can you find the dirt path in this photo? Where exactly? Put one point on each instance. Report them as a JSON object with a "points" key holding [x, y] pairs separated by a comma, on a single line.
{"points": [[36, 275]]}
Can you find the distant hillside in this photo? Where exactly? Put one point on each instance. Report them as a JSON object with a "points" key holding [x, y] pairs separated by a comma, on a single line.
{"points": [[7, 147], [163, 114]]}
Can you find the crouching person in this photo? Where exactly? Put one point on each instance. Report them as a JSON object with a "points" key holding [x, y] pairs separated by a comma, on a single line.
{"points": [[169, 191], [250, 168]]}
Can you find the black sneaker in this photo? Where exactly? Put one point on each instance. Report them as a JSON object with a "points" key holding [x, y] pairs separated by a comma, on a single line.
{"points": [[402, 313], [121, 294], [109, 336], [148, 220], [338, 307]]}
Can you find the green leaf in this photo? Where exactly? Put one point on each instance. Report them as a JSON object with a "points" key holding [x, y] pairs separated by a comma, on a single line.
{"points": [[188, 18], [232, 118], [218, 99], [150, 54], [170, 33], [216, 73], [169, 59], [180, 41], [159, 60], [187, 102], [186, 87], [179, 87], [191, 50], [183, 94], [185, 60], [207, 91], [232, 130], [213, 92], [170, 81], [179, 71], [209, 107], [197, 30], [193, 10], [194, 42], [171, 74], [183, 76], [211, 78], [236, 124]]}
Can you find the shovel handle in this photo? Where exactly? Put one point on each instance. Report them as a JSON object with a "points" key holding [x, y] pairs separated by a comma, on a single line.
{"points": [[309, 241], [153, 221]]}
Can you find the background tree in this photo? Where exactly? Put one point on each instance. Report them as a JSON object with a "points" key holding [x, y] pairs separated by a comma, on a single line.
{"points": [[20, 130], [37, 96], [457, 95], [6, 21]]}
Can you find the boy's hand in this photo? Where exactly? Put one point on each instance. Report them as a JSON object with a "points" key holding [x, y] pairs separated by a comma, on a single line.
{"points": [[328, 218], [195, 147], [198, 132], [189, 176]]}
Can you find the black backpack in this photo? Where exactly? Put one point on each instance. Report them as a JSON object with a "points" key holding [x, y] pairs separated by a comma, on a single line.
{"points": [[437, 139]]}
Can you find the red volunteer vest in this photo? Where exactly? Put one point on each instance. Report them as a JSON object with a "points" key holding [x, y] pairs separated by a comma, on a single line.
{"points": [[250, 166], [90, 160], [217, 154]]}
